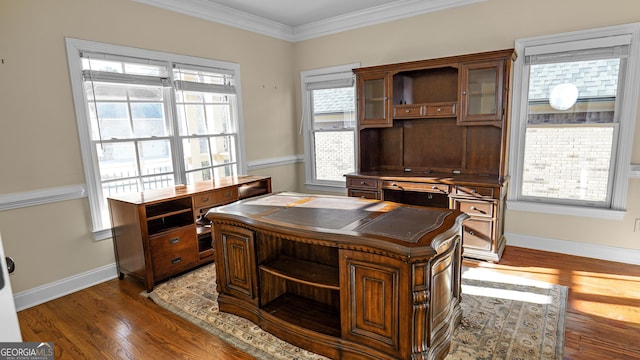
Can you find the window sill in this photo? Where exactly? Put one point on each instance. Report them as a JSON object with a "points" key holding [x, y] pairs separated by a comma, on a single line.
{"points": [[596, 213]]}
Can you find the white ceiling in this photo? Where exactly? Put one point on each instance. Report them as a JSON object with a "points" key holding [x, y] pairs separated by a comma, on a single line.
{"points": [[296, 20], [301, 12]]}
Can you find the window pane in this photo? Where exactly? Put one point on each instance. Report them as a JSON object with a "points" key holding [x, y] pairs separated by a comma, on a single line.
{"points": [[196, 153], [222, 150], [191, 119], [105, 91], [333, 108], [204, 77], [567, 162], [148, 119], [334, 154], [570, 134], [113, 121], [157, 182], [120, 187], [218, 119], [155, 157], [224, 171], [199, 175], [117, 160], [578, 92]]}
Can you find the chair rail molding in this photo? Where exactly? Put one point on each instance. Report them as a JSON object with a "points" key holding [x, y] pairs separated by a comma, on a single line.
{"points": [[42, 196]]}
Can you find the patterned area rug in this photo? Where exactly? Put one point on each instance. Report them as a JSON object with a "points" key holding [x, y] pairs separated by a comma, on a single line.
{"points": [[504, 317]]}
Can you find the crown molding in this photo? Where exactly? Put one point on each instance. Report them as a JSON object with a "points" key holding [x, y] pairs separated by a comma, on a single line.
{"points": [[375, 15], [214, 12]]}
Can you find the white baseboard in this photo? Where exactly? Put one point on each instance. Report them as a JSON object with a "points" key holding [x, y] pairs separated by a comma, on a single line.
{"points": [[627, 256], [41, 294]]}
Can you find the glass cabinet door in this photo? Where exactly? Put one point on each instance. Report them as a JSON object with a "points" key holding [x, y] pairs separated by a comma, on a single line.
{"points": [[482, 87], [373, 99]]}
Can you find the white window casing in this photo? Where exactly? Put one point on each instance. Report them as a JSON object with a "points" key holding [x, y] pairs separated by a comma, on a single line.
{"points": [[618, 41], [340, 76], [75, 50]]}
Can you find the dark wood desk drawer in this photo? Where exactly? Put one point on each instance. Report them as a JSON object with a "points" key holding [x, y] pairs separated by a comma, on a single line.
{"points": [[441, 109], [475, 208], [362, 183], [174, 251], [214, 198], [365, 194], [407, 111], [415, 186], [477, 234], [473, 191]]}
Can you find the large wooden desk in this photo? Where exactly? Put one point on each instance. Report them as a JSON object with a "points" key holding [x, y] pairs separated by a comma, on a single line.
{"points": [[344, 277]]}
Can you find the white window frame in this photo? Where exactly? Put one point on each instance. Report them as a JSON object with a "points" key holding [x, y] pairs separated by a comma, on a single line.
{"points": [[626, 113], [334, 76], [75, 47]]}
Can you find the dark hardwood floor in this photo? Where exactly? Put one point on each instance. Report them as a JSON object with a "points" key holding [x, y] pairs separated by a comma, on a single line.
{"points": [[112, 321]]}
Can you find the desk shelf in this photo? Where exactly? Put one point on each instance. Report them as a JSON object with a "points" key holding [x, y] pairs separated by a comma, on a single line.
{"points": [[305, 272], [306, 313]]}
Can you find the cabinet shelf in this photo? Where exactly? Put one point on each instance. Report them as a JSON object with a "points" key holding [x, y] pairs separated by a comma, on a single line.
{"points": [[304, 272], [307, 314], [167, 214]]}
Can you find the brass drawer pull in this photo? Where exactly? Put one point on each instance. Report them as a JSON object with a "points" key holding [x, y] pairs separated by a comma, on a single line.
{"points": [[176, 260], [174, 240], [204, 199]]}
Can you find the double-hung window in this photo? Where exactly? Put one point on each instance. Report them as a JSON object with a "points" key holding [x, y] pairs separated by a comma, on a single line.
{"points": [[328, 126], [149, 120], [575, 98]]}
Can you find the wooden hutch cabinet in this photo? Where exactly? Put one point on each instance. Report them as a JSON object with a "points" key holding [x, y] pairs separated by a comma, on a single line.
{"points": [[438, 139], [160, 233]]}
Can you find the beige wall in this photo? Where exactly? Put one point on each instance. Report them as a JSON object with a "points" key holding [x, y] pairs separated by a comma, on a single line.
{"points": [[492, 25], [39, 146]]}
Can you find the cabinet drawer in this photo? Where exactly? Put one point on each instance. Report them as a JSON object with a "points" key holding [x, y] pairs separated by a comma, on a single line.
{"points": [[216, 197], [413, 186], [407, 111], [365, 194], [174, 251], [441, 109], [474, 191], [475, 208], [362, 183], [477, 234]]}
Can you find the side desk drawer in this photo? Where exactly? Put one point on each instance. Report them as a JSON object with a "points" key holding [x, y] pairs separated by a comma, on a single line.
{"points": [[441, 109], [473, 191], [415, 186], [475, 208], [364, 194], [362, 183], [216, 197], [174, 251], [407, 111], [477, 234]]}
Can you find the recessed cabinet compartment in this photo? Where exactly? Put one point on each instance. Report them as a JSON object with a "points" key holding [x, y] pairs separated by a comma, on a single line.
{"points": [[254, 188], [169, 215], [300, 283]]}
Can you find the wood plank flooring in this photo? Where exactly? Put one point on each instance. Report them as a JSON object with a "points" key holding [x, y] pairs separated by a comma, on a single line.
{"points": [[112, 321]]}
